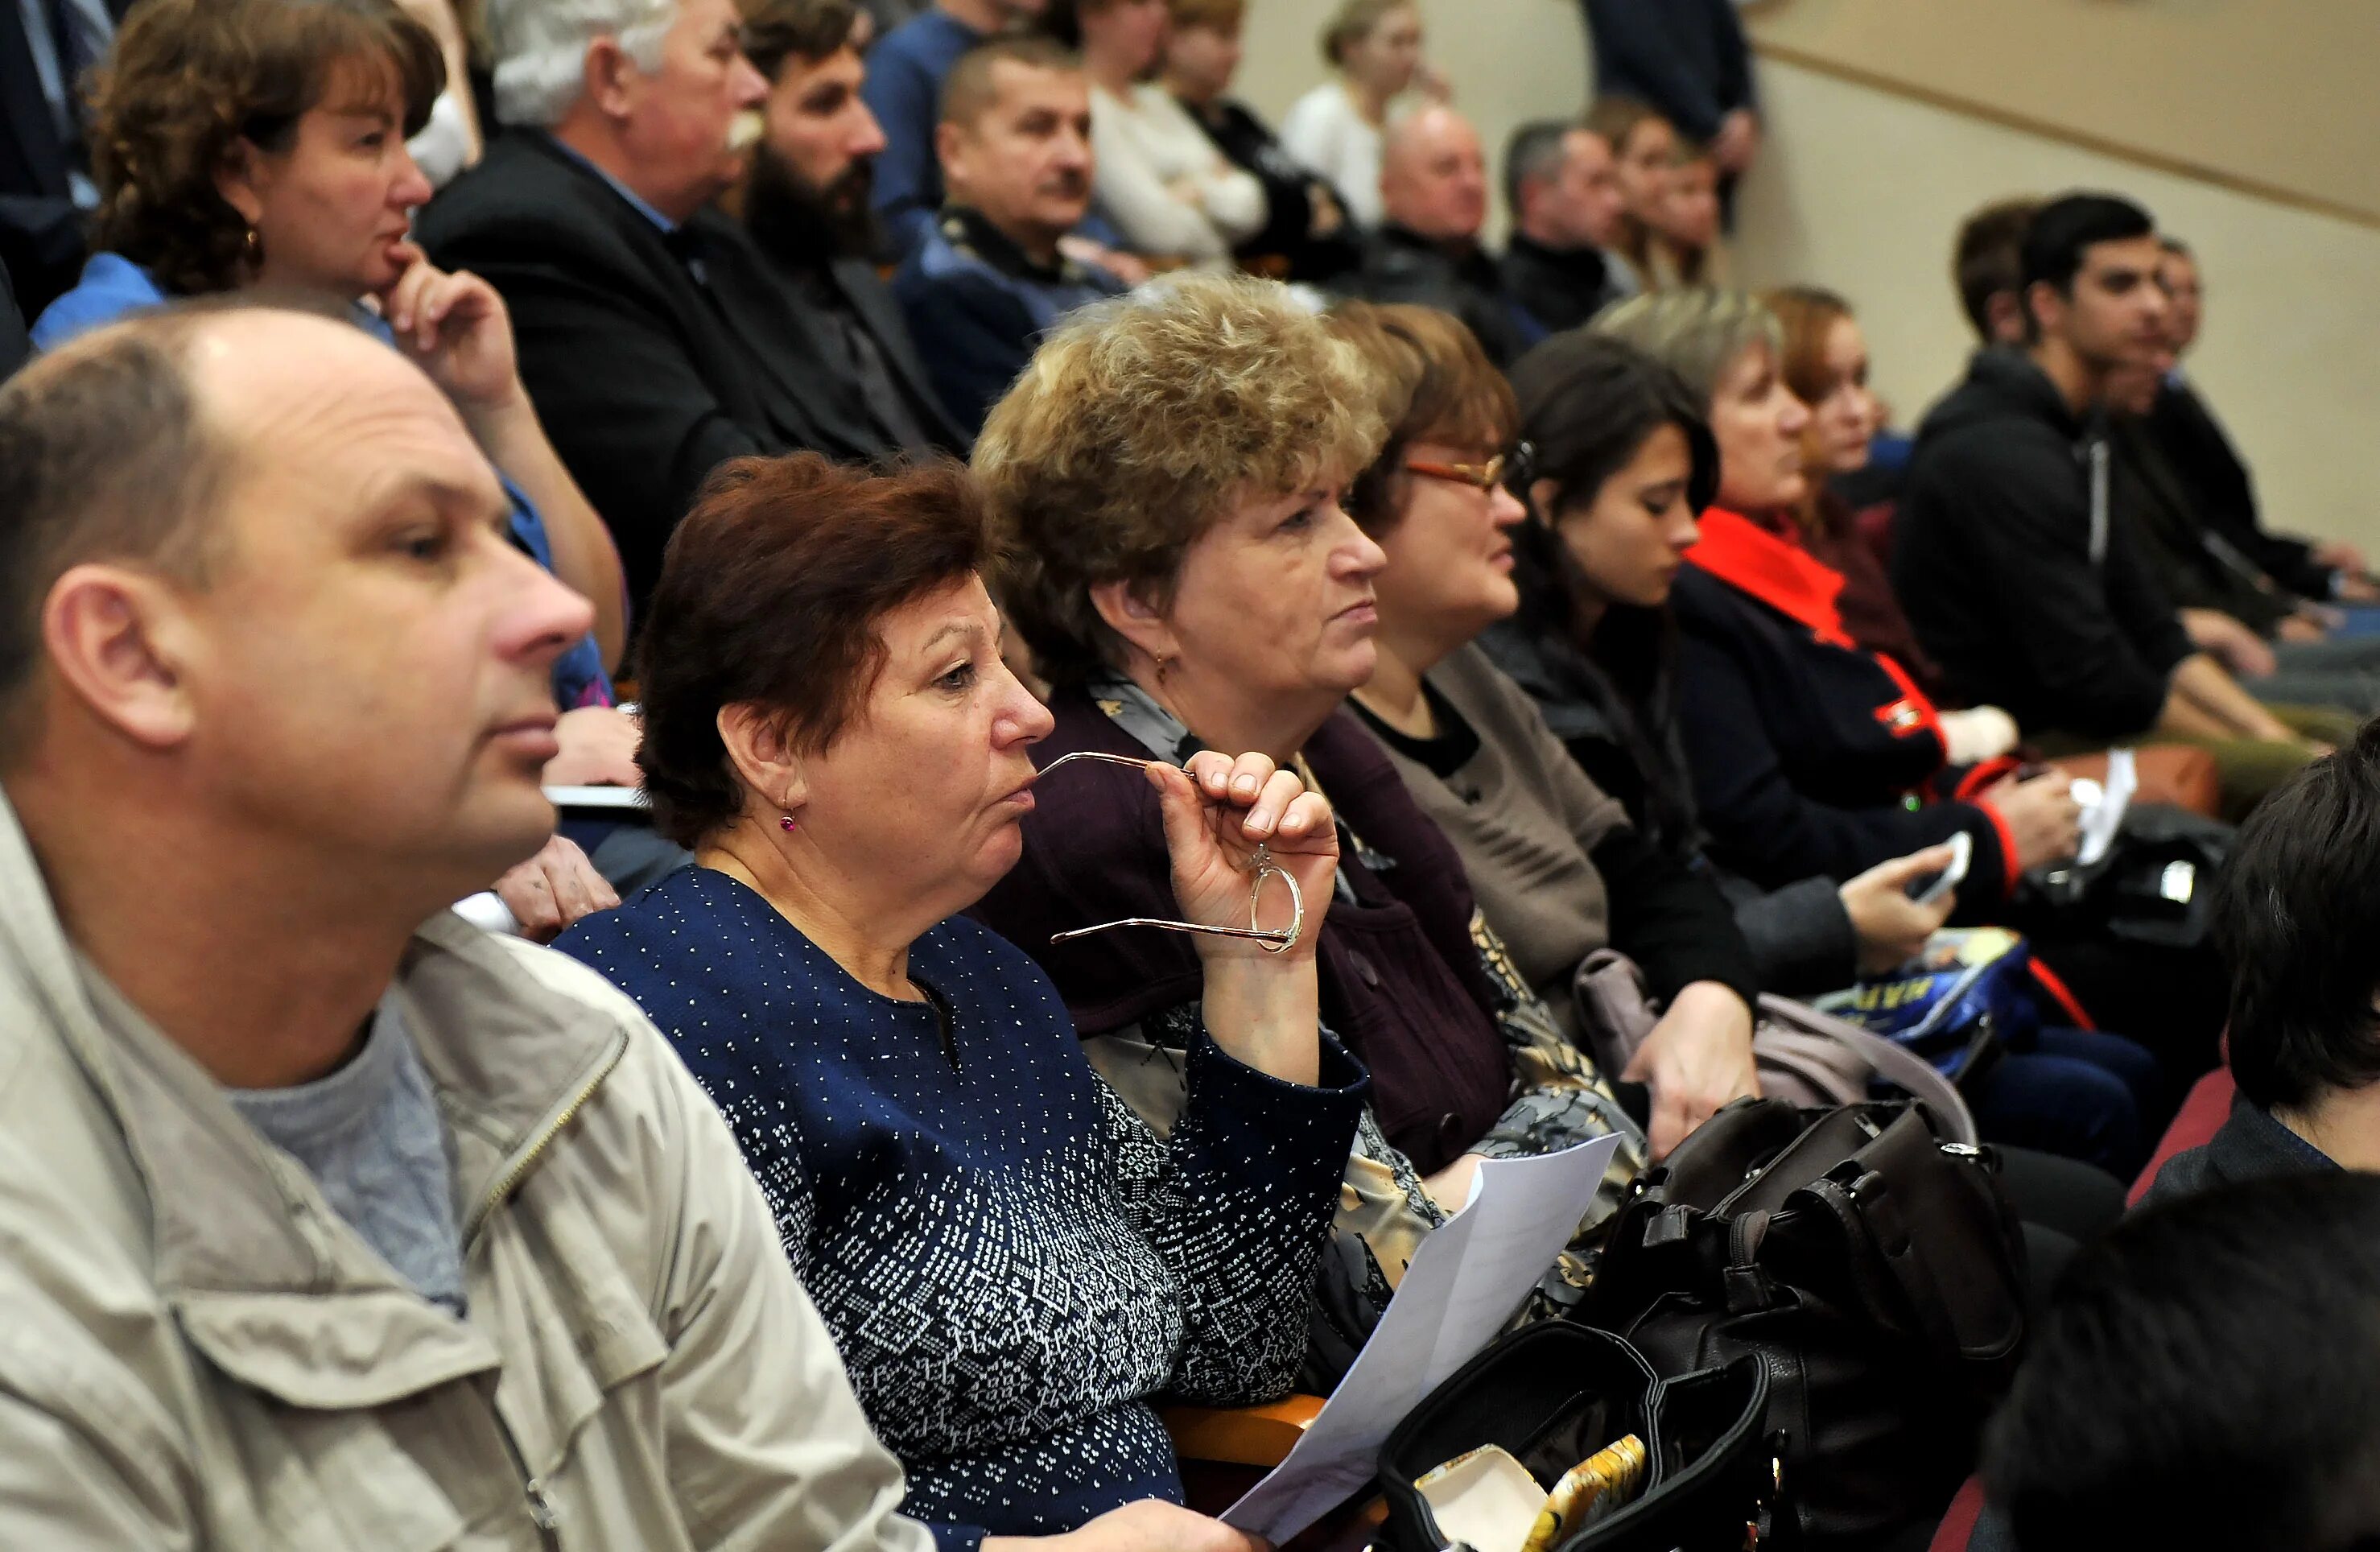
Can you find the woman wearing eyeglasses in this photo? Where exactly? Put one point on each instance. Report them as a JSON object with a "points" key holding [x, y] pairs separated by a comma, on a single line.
{"points": [[1012, 1265], [1555, 863], [1166, 479]]}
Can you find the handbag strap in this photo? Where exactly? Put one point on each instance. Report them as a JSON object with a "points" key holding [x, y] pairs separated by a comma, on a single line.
{"points": [[1891, 1061]]}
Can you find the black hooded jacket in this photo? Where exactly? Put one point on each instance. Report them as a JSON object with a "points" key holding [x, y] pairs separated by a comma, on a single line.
{"points": [[2194, 442], [2010, 565]]}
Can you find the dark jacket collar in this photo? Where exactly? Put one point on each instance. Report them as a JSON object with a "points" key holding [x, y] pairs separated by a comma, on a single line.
{"points": [[2249, 1145], [1589, 266], [1468, 259], [2002, 383], [973, 230]]}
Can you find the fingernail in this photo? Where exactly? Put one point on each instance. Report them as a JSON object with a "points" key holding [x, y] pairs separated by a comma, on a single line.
{"points": [[1245, 785], [1260, 820]]}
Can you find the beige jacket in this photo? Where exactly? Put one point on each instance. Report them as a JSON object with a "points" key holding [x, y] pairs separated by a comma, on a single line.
{"points": [[196, 1353]]}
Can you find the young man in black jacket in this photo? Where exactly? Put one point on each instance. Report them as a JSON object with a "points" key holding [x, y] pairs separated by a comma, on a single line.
{"points": [[2007, 556], [2301, 889], [2203, 1379]]}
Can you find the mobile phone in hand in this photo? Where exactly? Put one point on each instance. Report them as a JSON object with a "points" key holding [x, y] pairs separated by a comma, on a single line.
{"points": [[1925, 892]]}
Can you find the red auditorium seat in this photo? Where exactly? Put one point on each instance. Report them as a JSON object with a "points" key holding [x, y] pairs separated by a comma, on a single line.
{"points": [[2200, 1116]]}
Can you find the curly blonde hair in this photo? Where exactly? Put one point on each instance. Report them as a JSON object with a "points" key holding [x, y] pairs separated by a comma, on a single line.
{"points": [[1140, 423]]}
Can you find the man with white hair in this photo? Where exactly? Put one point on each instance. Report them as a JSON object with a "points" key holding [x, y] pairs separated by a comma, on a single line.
{"points": [[653, 338]]}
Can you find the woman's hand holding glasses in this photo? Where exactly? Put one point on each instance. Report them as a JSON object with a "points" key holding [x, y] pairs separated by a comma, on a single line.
{"points": [[1255, 856], [1226, 821]]}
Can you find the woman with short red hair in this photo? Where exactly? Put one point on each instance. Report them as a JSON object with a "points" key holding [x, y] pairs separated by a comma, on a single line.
{"points": [[1011, 1265]]}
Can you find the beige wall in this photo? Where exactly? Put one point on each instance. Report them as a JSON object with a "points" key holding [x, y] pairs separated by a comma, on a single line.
{"points": [[2274, 92], [1860, 189], [1509, 60]]}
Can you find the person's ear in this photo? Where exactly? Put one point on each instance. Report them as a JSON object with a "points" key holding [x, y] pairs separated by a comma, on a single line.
{"points": [[610, 76], [2045, 310], [237, 179], [949, 142], [122, 646], [755, 739], [1542, 495], [1132, 616]]}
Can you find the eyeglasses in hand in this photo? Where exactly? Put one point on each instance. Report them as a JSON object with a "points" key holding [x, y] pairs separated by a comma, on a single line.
{"points": [[1271, 940]]}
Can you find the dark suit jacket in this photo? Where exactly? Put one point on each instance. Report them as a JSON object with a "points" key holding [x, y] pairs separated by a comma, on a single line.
{"points": [[1560, 290], [14, 345], [2186, 431], [41, 231], [871, 300], [646, 377]]}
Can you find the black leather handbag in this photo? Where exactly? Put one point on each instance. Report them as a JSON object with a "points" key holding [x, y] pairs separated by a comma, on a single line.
{"points": [[1874, 1269], [1553, 1394]]}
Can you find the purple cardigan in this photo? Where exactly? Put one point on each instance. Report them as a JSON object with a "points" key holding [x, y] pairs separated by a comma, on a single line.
{"points": [[1402, 983]]}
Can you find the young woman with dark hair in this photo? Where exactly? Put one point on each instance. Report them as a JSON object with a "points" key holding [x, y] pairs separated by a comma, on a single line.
{"points": [[1627, 468]]}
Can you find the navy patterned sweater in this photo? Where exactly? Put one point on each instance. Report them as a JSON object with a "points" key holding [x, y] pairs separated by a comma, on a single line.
{"points": [[1011, 1265]]}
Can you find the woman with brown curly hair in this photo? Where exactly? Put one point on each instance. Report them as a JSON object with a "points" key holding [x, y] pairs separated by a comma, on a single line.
{"points": [[1167, 481], [259, 146]]}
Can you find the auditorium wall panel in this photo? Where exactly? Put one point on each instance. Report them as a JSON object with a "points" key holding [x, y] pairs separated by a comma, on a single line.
{"points": [[1862, 187]]}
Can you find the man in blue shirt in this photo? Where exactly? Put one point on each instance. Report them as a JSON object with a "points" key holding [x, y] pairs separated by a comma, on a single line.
{"points": [[904, 92], [48, 49]]}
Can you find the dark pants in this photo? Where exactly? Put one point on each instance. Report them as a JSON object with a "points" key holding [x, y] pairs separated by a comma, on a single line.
{"points": [[2076, 1093]]}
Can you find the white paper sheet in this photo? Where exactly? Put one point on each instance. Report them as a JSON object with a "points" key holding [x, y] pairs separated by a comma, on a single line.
{"points": [[2100, 821], [596, 797], [1463, 1283]]}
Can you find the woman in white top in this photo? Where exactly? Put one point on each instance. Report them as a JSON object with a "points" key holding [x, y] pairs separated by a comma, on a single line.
{"points": [[1160, 181], [1375, 48]]}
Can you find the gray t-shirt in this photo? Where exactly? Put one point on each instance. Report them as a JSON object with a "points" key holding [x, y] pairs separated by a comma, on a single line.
{"points": [[371, 1136]]}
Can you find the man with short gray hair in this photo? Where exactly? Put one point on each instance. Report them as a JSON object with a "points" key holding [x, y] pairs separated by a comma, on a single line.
{"points": [[1562, 186], [652, 336], [334, 1222]]}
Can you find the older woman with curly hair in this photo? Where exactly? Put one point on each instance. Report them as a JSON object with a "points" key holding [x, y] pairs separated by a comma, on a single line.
{"points": [[259, 146], [1012, 1265], [1166, 479]]}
